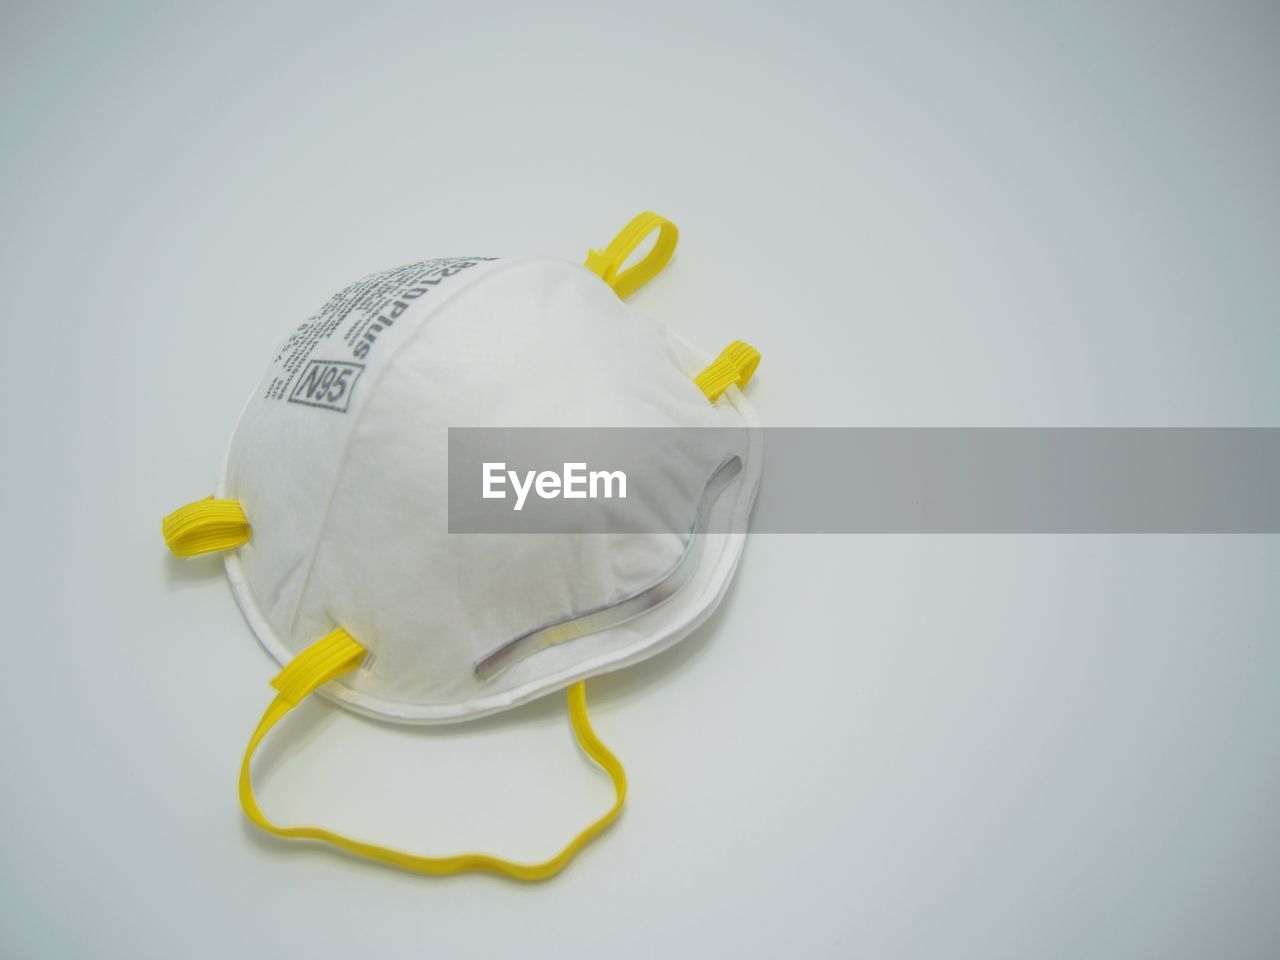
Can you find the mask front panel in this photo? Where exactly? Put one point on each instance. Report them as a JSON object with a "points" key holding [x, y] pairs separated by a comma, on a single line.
{"points": [[532, 342]]}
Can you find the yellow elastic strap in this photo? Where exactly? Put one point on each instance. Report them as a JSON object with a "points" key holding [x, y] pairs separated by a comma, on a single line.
{"points": [[337, 654], [735, 365], [205, 526], [607, 263]]}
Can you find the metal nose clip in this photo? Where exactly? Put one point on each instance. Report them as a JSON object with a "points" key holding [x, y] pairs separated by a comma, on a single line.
{"points": [[602, 618]]}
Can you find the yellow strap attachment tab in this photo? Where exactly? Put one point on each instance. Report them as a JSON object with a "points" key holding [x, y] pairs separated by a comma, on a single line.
{"points": [[735, 365], [337, 654], [205, 526], [607, 263]]}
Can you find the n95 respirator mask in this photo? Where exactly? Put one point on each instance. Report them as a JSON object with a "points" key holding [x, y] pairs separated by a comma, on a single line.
{"points": [[333, 513]]}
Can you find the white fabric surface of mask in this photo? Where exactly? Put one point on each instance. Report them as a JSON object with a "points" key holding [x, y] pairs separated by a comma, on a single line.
{"points": [[349, 507]]}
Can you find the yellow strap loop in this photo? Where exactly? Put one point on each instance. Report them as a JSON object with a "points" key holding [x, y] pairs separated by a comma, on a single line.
{"points": [[606, 263], [735, 365], [337, 654], [205, 526]]}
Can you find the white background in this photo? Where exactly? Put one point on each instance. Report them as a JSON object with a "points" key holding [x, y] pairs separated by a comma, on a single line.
{"points": [[882, 746]]}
